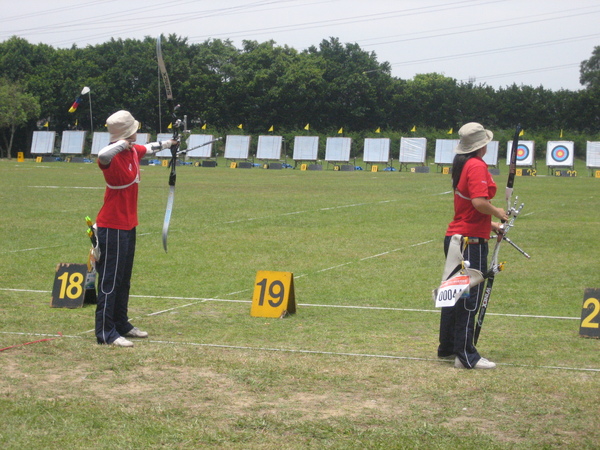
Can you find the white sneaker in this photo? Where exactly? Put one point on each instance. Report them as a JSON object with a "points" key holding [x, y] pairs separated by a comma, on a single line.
{"points": [[135, 332], [122, 342], [481, 364]]}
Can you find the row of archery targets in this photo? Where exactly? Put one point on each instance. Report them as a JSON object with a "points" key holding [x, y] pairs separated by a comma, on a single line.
{"points": [[560, 155]]}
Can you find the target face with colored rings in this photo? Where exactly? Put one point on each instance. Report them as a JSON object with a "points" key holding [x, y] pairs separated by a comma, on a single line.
{"points": [[522, 152], [560, 153]]}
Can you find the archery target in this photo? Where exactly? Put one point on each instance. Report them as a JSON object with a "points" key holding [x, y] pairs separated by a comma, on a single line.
{"points": [[522, 152], [559, 153], [525, 153]]}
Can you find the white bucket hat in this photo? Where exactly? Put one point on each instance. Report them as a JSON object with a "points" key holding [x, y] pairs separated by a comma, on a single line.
{"points": [[121, 125], [472, 137]]}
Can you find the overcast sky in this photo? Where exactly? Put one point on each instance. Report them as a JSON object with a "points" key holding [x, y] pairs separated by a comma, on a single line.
{"points": [[496, 42]]}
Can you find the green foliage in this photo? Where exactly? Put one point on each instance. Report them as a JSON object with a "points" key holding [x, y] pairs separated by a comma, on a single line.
{"points": [[16, 109], [590, 71], [330, 86]]}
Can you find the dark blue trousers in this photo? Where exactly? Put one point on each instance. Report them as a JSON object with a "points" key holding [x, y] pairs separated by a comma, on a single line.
{"points": [[117, 249], [457, 323]]}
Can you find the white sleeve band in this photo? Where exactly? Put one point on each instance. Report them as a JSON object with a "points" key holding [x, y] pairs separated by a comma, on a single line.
{"points": [[153, 147], [106, 154]]}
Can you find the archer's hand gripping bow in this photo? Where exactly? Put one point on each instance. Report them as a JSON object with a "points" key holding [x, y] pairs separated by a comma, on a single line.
{"points": [[176, 125], [512, 211]]}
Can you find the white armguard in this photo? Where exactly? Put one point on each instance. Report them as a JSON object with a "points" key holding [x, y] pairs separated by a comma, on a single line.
{"points": [[153, 147], [106, 154]]}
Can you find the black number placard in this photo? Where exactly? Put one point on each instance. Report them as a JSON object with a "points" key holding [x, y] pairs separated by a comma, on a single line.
{"points": [[69, 285], [590, 314]]}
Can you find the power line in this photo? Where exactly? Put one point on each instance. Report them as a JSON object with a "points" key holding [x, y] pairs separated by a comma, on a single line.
{"points": [[523, 72], [496, 50]]}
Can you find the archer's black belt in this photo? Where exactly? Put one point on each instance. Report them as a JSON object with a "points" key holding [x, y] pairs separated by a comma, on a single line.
{"points": [[476, 241]]}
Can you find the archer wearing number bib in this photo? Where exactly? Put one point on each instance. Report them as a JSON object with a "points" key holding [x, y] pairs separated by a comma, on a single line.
{"points": [[474, 187], [116, 223]]}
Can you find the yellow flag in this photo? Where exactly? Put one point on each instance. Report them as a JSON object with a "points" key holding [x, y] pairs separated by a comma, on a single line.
{"points": [[341, 130], [170, 125], [307, 127], [522, 133], [414, 128], [76, 122], [204, 127], [271, 129], [451, 131], [46, 124], [140, 126], [240, 126], [378, 130], [561, 132]]}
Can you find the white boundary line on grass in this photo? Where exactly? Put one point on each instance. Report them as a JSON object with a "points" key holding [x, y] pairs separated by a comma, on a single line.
{"points": [[198, 300], [314, 352], [360, 355], [32, 249], [68, 187]]}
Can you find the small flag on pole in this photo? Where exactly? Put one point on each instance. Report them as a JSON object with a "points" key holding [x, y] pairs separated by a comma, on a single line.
{"points": [[240, 126], [414, 128], [307, 127], [561, 133], [204, 127], [378, 130], [522, 133], [271, 129], [341, 130], [46, 124], [450, 131], [170, 125]]}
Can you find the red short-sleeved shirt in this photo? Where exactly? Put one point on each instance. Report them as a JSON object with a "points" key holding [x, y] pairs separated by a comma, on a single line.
{"points": [[120, 203], [475, 181]]}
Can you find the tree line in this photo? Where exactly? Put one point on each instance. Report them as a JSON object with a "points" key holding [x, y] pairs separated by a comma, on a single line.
{"points": [[261, 85]]}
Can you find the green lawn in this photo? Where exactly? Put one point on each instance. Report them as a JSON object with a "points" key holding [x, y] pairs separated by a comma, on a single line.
{"points": [[355, 367]]}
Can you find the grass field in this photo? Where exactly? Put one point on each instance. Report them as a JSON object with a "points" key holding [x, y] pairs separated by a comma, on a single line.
{"points": [[355, 367]]}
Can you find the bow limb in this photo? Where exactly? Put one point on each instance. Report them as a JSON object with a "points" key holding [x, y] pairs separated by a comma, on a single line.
{"points": [[174, 148]]}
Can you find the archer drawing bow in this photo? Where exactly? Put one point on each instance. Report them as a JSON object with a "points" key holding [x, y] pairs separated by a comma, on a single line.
{"points": [[513, 211], [175, 124]]}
